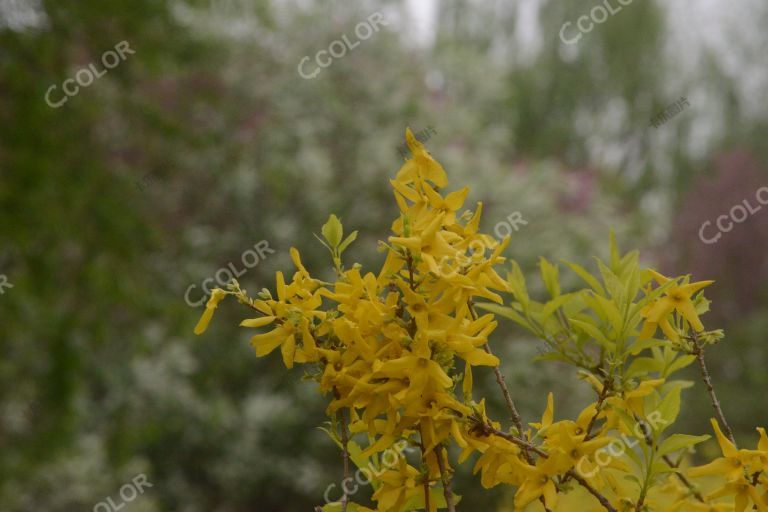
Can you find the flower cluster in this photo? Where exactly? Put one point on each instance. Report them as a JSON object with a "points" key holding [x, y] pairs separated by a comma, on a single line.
{"points": [[394, 353]]}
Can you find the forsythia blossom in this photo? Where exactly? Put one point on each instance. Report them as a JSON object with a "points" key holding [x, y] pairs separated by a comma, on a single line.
{"points": [[395, 352]]}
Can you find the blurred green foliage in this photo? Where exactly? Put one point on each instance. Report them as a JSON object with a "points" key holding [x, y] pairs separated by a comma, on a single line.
{"points": [[207, 141]]}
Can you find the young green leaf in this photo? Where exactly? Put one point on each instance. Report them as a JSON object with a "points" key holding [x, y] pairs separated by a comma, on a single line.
{"points": [[351, 238], [677, 442], [333, 231], [549, 274]]}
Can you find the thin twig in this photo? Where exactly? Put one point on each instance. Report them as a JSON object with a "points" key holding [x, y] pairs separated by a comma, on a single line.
{"points": [[684, 480], [516, 419], [488, 429], [698, 351], [600, 399], [571, 473], [445, 477], [594, 492]]}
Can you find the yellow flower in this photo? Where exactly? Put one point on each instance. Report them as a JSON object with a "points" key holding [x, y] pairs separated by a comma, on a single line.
{"points": [[216, 295], [737, 467], [294, 311], [422, 166], [677, 298], [538, 483], [398, 486]]}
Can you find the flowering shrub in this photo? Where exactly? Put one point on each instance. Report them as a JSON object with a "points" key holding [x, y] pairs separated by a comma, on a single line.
{"points": [[394, 353]]}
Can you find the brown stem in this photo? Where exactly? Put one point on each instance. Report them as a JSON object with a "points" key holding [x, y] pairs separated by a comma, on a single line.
{"points": [[698, 351], [594, 492], [684, 480], [600, 399], [447, 491], [411, 282], [516, 419], [488, 429]]}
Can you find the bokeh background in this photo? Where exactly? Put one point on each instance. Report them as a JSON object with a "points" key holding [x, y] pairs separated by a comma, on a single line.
{"points": [[207, 141]]}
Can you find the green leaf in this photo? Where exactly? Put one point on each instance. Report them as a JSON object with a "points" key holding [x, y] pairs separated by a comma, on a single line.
{"points": [[351, 238], [504, 311], [587, 277], [592, 331], [553, 305], [643, 366], [679, 363], [677, 442], [549, 274], [669, 408], [517, 282], [660, 467], [640, 345], [333, 231], [607, 311], [612, 282]]}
